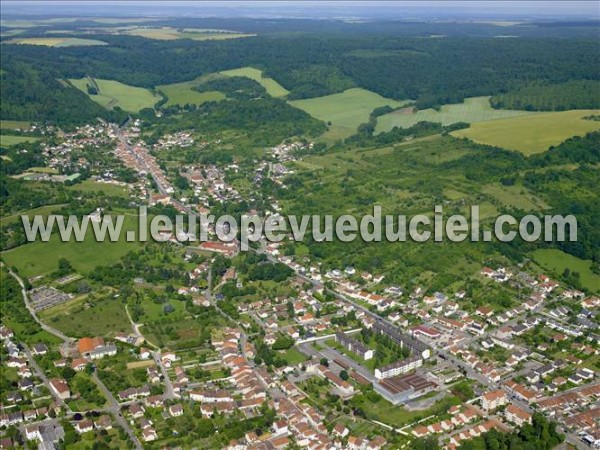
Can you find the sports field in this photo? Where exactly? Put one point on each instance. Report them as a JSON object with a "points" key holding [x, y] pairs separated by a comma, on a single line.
{"points": [[533, 133], [8, 140], [472, 110], [57, 42], [182, 93], [273, 88], [113, 93], [557, 261], [346, 110]]}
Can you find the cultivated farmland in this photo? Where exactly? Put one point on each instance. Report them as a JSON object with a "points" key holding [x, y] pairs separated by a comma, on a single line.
{"points": [[57, 42], [346, 110], [113, 93], [196, 34], [472, 110], [273, 88], [533, 133]]}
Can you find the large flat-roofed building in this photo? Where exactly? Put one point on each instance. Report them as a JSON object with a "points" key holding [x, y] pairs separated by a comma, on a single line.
{"points": [[403, 340], [354, 346], [403, 388], [399, 367]]}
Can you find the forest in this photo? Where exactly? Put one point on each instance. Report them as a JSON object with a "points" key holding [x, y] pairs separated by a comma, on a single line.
{"points": [[575, 94], [431, 72]]}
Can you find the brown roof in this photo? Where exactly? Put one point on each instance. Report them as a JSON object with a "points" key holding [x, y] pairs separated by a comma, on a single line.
{"points": [[86, 344]]}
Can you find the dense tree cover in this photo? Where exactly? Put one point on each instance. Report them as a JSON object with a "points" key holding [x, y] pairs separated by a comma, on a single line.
{"points": [[567, 191], [267, 356], [36, 95], [14, 313], [575, 94], [366, 137], [267, 271], [132, 266], [268, 121], [16, 160], [314, 81], [437, 72], [430, 71], [581, 150], [234, 87], [423, 178]]}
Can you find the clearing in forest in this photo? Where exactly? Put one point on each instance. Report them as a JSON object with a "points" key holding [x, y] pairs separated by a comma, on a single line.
{"points": [[113, 93]]}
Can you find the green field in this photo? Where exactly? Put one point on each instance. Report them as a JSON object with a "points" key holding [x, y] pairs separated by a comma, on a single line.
{"points": [[42, 210], [182, 93], [8, 140], [88, 186], [534, 133], [292, 356], [346, 110], [57, 42], [557, 261], [113, 93], [39, 258], [516, 196], [472, 110], [77, 319], [13, 124], [273, 88], [398, 416]]}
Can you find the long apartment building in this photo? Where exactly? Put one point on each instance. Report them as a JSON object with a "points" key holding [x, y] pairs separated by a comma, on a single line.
{"points": [[354, 346], [415, 346], [399, 367]]}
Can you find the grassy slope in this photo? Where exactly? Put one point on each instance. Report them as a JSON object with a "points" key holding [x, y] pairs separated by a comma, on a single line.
{"points": [[112, 93], [473, 110], [7, 140], [273, 88], [557, 261], [38, 258], [13, 124], [182, 93], [346, 110], [532, 134]]}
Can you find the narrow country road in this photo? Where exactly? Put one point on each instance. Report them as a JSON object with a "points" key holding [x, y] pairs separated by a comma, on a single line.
{"points": [[42, 376], [116, 410], [45, 327]]}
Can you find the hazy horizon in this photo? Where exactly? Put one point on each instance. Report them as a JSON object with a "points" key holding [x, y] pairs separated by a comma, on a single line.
{"points": [[431, 10]]}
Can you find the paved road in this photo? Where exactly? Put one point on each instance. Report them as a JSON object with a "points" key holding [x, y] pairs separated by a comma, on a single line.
{"points": [[169, 391], [137, 332], [440, 352], [115, 409], [45, 327], [42, 376]]}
